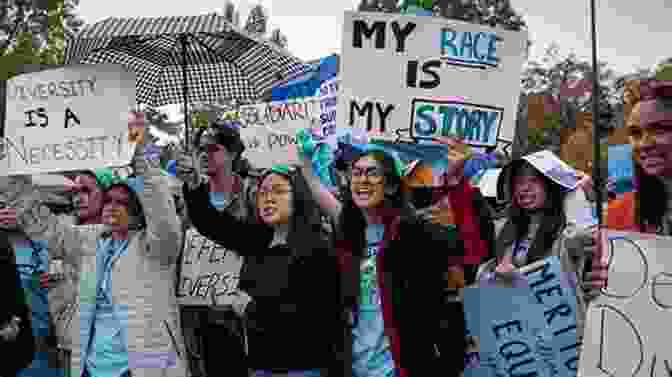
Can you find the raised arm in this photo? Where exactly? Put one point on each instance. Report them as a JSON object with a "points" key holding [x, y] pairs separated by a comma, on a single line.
{"points": [[324, 198], [223, 227], [164, 233]]}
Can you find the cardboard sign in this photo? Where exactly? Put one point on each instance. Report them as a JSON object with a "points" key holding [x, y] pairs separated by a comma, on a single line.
{"points": [[269, 130], [207, 266], [509, 329], [65, 119], [626, 330], [397, 68], [555, 291]]}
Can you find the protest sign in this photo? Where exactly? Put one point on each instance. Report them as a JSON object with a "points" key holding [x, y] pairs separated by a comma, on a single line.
{"points": [[508, 327], [328, 101], [398, 69], [620, 167], [626, 327], [206, 266], [66, 119], [555, 291], [269, 130]]}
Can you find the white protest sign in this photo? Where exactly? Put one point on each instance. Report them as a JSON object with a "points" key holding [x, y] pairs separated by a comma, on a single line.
{"points": [[207, 266], [328, 94], [66, 119], [400, 74], [269, 130], [627, 328]]}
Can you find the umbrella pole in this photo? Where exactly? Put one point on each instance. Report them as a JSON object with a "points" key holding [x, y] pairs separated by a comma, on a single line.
{"points": [[187, 120], [597, 178]]}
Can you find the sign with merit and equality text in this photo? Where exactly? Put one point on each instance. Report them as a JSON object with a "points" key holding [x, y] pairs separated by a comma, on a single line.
{"points": [[400, 74], [66, 119]]}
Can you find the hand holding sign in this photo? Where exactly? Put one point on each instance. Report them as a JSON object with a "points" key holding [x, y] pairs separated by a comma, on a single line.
{"points": [[458, 154]]}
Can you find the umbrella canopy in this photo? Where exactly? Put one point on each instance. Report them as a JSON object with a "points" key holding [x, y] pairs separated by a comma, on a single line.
{"points": [[213, 58]]}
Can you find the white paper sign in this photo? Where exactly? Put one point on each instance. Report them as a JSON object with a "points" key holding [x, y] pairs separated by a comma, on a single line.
{"points": [[392, 63], [66, 119], [269, 130], [207, 266], [627, 328], [328, 102]]}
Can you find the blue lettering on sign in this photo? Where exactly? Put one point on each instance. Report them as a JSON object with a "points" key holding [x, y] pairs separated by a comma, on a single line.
{"points": [[478, 125], [469, 49]]}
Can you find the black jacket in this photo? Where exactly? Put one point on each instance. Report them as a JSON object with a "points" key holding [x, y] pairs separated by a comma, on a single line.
{"points": [[293, 320], [13, 304], [428, 332]]}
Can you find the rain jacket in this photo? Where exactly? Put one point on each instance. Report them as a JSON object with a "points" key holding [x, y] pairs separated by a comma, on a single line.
{"points": [[143, 278]]}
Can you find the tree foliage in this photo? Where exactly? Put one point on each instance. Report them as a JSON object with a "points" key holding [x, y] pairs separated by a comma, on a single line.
{"points": [[34, 32], [257, 23], [494, 13]]}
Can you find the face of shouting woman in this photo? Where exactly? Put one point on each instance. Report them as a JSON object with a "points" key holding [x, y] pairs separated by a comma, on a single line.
{"points": [[367, 183], [529, 191], [115, 209], [275, 200]]}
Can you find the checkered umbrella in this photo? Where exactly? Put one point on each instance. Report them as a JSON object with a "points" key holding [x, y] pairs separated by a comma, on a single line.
{"points": [[188, 59]]}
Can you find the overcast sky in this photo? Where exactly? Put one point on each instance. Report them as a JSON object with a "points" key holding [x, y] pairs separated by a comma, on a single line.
{"points": [[630, 35]]}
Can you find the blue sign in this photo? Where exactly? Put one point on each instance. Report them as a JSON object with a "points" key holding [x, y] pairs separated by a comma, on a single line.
{"points": [[307, 85], [620, 167], [509, 329]]}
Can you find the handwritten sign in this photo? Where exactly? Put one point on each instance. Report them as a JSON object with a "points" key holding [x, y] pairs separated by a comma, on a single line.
{"points": [[269, 130], [66, 119], [328, 101], [206, 266], [626, 330], [477, 124], [620, 167], [393, 63], [555, 291], [508, 327]]}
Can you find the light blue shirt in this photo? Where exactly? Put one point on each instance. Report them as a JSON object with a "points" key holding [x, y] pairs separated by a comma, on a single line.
{"points": [[106, 351], [372, 356], [218, 200]]}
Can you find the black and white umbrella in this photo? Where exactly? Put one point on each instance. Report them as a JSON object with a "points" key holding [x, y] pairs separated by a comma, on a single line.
{"points": [[186, 59]]}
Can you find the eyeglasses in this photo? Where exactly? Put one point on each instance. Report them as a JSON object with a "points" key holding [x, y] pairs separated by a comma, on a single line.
{"points": [[373, 175], [275, 192]]}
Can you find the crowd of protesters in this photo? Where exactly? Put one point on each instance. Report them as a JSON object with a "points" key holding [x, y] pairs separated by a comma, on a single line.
{"points": [[360, 282]]}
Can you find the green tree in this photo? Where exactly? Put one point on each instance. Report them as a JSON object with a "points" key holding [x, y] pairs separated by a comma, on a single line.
{"points": [[256, 24], [34, 32], [495, 13], [553, 72]]}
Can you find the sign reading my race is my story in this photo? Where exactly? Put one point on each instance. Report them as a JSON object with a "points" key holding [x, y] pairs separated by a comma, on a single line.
{"points": [[627, 327], [66, 119], [397, 68], [269, 129]]}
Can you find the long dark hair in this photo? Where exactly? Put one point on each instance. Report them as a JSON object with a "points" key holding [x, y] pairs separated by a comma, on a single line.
{"points": [[553, 215], [305, 224], [352, 223]]}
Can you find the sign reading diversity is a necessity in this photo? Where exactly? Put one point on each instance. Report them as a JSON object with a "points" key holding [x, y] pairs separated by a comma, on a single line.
{"points": [[66, 119]]}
